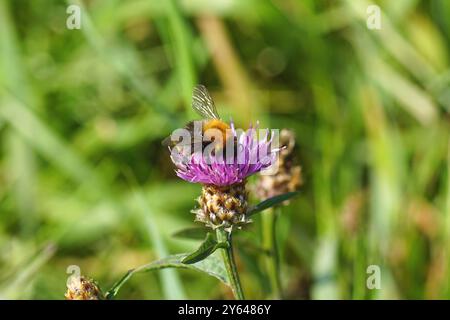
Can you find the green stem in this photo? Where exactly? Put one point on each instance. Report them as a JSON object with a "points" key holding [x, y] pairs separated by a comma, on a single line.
{"points": [[230, 264], [269, 221]]}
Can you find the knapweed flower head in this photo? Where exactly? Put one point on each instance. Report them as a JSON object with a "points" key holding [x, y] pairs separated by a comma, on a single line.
{"points": [[245, 156], [223, 172]]}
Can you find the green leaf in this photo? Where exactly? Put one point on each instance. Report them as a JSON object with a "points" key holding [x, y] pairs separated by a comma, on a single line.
{"points": [[212, 265], [268, 203], [195, 233], [206, 249]]}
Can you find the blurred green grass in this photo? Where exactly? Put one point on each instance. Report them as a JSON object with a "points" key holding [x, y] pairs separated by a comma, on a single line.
{"points": [[84, 180]]}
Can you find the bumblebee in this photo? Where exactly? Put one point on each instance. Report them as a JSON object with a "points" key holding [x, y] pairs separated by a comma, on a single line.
{"points": [[204, 105]]}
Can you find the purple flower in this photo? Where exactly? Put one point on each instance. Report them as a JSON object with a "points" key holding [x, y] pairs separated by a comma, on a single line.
{"points": [[221, 169]]}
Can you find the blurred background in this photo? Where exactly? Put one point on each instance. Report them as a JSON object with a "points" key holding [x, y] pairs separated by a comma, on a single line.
{"points": [[84, 180]]}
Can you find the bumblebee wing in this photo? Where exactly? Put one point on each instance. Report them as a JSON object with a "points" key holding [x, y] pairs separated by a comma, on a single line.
{"points": [[203, 104]]}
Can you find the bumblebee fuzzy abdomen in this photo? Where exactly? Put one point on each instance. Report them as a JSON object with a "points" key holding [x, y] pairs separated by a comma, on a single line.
{"points": [[216, 124]]}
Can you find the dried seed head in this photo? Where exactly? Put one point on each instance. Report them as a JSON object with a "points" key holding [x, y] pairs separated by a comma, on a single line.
{"points": [[223, 206], [81, 288], [288, 177]]}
